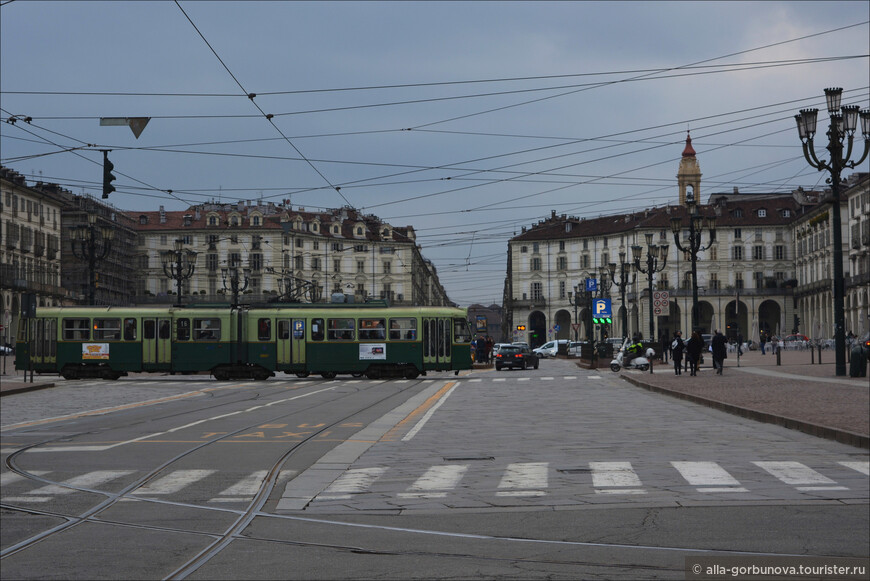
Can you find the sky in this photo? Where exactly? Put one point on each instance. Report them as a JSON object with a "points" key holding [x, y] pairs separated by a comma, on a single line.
{"points": [[465, 120]]}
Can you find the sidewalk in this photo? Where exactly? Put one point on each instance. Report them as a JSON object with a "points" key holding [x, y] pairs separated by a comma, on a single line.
{"points": [[797, 394], [12, 381]]}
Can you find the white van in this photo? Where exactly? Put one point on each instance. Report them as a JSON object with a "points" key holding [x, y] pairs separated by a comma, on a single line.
{"points": [[550, 348]]}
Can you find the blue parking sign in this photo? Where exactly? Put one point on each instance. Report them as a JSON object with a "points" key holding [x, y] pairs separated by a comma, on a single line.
{"points": [[601, 308], [591, 284]]}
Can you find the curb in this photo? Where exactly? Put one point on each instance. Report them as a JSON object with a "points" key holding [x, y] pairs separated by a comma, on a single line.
{"points": [[842, 436], [25, 388]]}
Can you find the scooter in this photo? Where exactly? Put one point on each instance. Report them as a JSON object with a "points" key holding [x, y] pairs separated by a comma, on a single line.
{"points": [[640, 362]]}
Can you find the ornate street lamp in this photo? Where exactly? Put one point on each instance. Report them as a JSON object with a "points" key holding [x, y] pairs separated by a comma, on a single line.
{"points": [[91, 243], [178, 265], [697, 224], [622, 283], [654, 254], [237, 284], [843, 122]]}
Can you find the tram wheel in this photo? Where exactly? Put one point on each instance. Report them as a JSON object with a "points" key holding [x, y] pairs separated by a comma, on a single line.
{"points": [[302, 374], [328, 375]]}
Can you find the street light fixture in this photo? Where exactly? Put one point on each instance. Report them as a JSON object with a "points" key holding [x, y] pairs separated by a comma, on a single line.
{"points": [[178, 264], [622, 283], [237, 284], [697, 224], [843, 122], [654, 254], [93, 244]]}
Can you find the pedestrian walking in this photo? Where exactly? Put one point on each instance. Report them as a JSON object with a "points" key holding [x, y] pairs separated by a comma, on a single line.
{"points": [[666, 345], [720, 351], [761, 342], [740, 343], [694, 348], [489, 344], [677, 347]]}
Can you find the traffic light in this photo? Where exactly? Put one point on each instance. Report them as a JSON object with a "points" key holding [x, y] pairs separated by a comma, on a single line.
{"points": [[602, 320], [108, 177], [521, 327]]}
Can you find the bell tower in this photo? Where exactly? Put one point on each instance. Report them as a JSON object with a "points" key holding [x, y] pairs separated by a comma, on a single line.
{"points": [[689, 175]]}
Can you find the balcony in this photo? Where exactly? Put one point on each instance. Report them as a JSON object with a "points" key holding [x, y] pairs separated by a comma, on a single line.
{"points": [[531, 304]]}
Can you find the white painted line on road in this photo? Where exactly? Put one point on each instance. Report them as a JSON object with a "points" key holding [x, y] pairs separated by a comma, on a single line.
{"points": [[607, 476], [9, 477], [814, 488], [594, 377], [173, 482], [14, 499], [419, 425], [796, 474], [474, 380], [437, 478], [351, 482], [862, 467], [524, 479], [546, 378], [705, 474], [497, 379], [524, 378], [89, 480]]}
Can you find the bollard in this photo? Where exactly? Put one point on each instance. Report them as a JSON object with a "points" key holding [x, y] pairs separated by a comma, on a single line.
{"points": [[820, 353], [650, 366], [778, 351], [812, 356]]}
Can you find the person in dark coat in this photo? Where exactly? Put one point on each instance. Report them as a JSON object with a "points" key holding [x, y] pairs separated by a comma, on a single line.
{"points": [[677, 347], [720, 351], [694, 348], [666, 345]]}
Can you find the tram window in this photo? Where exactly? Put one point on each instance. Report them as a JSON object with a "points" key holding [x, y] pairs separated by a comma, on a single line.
{"points": [[129, 329], [206, 329], [148, 329], [283, 328], [441, 338], [372, 329], [52, 333], [461, 332], [107, 329], [404, 329], [76, 330], [164, 329], [264, 329], [182, 330], [340, 330], [317, 329]]}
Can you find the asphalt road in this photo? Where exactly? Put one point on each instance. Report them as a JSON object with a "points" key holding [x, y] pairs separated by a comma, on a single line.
{"points": [[555, 473]]}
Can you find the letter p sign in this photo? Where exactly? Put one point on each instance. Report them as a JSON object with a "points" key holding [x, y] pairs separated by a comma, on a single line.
{"points": [[601, 308]]}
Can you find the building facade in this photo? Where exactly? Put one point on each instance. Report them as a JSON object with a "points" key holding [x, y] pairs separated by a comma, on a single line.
{"points": [[746, 278], [276, 252]]}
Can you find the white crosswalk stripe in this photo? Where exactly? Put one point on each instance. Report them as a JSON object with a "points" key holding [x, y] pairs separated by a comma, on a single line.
{"points": [[615, 478], [862, 467], [799, 475], [436, 482], [525, 479], [245, 489], [708, 477], [8, 478], [352, 482], [173, 482], [89, 480]]}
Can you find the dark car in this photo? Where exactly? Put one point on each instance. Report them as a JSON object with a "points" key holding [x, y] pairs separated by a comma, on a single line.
{"points": [[515, 356]]}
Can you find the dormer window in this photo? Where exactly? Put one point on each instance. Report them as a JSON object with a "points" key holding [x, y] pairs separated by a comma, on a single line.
{"points": [[737, 213], [255, 221], [335, 229], [762, 213], [359, 231], [314, 227], [234, 220], [143, 219], [786, 213], [212, 220]]}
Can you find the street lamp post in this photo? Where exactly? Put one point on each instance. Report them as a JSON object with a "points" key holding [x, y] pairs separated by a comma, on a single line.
{"points": [[697, 224], [237, 285], [179, 265], [843, 122], [575, 300], [92, 244], [654, 254], [622, 282]]}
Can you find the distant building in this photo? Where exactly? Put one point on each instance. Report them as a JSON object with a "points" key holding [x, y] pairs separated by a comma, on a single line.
{"points": [[746, 279], [487, 321], [285, 253]]}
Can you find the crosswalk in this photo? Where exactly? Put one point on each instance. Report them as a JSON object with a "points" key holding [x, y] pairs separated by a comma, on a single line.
{"points": [[615, 478]]}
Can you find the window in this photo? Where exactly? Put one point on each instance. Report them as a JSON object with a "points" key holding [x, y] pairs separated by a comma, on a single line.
{"points": [[738, 280], [107, 329], [317, 329], [129, 329], [315, 264], [403, 329], [255, 221], [561, 245], [182, 330], [360, 266], [762, 213], [283, 329], [737, 253], [148, 329], [758, 252], [256, 261], [207, 329], [211, 262], [297, 262], [779, 252], [562, 286], [786, 213], [537, 291], [164, 331], [387, 267], [299, 243], [738, 234], [584, 261], [264, 329], [536, 264], [76, 330], [536, 247], [524, 249], [738, 213], [372, 329], [340, 329], [562, 263], [336, 265], [714, 281]]}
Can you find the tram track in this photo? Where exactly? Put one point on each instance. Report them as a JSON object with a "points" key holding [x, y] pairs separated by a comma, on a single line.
{"points": [[245, 516]]}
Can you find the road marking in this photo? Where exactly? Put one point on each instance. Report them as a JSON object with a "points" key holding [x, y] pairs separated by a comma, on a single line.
{"points": [[862, 467], [352, 482], [524, 378], [615, 478], [708, 476], [247, 488], [173, 482], [499, 379], [436, 481], [799, 475], [89, 480], [594, 377], [524, 479], [9, 477]]}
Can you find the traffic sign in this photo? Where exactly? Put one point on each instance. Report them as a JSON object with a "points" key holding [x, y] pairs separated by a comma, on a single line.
{"points": [[601, 308], [591, 284]]}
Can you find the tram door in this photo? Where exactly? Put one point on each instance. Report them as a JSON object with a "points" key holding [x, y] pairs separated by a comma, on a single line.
{"points": [[437, 339], [156, 342], [43, 341], [291, 341]]}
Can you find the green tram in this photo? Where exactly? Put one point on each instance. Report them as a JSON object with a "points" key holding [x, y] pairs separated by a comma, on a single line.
{"points": [[368, 339]]}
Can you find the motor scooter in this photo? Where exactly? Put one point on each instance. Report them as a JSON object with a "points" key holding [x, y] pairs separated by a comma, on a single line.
{"points": [[640, 362]]}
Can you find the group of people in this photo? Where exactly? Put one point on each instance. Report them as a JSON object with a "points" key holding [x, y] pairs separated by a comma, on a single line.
{"points": [[482, 347], [692, 349]]}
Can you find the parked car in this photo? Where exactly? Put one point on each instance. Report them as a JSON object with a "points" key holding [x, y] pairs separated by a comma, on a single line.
{"points": [[550, 348], [6, 350], [574, 348], [515, 356], [521, 343], [796, 341]]}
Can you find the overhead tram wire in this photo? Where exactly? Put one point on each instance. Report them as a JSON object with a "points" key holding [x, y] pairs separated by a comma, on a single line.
{"points": [[251, 97]]}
